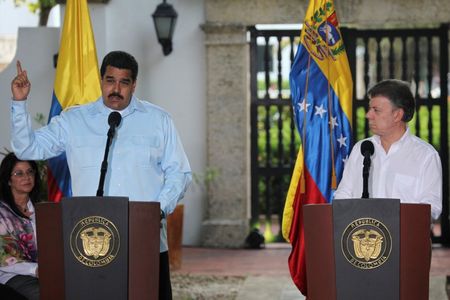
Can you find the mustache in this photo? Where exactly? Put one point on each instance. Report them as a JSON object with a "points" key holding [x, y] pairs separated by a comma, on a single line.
{"points": [[115, 95]]}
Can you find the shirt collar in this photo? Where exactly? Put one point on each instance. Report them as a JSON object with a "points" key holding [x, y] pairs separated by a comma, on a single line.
{"points": [[404, 137], [30, 206], [400, 142]]}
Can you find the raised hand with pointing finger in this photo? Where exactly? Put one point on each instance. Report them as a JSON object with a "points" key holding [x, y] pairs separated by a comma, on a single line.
{"points": [[20, 85]]}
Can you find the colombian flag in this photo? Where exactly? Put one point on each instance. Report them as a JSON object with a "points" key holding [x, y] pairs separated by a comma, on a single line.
{"points": [[77, 81], [321, 89]]}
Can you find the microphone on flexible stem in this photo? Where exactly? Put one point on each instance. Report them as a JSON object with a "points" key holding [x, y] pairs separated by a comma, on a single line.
{"points": [[367, 151], [113, 121]]}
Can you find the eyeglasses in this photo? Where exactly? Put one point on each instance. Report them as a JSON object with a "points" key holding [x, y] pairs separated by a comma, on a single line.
{"points": [[22, 174]]}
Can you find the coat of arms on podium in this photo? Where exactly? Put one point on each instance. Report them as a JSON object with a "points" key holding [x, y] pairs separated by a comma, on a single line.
{"points": [[95, 241], [366, 243]]}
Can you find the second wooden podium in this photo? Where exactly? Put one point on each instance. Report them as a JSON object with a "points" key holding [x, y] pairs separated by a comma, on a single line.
{"points": [[368, 256]]}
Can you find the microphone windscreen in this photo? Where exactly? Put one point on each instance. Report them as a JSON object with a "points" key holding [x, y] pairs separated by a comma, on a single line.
{"points": [[114, 119], [367, 148]]}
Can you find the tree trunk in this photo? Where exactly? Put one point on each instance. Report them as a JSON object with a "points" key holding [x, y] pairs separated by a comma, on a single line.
{"points": [[43, 16]]}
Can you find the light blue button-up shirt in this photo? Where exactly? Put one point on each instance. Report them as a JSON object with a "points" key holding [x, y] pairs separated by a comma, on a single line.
{"points": [[146, 160]]}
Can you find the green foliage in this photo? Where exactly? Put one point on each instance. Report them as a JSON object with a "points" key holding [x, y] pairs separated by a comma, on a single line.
{"points": [[41, 7], [207, 178], [273, 83], [35, 6], [40, 119], [427, 115], [360, 123], [278, 139]]}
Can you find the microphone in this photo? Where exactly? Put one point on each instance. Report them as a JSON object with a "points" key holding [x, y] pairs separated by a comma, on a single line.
{"points": [[367, 150], [114, 119]]}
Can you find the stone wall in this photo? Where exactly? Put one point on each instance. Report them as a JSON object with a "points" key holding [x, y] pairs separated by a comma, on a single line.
{"points": [[361, 13], [228, 89], [228, 135]]}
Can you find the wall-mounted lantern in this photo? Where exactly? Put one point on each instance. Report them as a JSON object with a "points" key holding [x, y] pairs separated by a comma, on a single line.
{"points": [[165, 18]]}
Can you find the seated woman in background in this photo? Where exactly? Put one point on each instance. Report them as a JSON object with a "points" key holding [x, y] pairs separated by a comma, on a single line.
{"points": [[19, 190]]}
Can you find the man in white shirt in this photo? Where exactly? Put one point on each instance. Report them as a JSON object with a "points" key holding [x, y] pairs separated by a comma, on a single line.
{"points": [[403, 166]]}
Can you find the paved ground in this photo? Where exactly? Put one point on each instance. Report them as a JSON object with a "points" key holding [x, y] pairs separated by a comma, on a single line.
{"points": [[241, 274]]}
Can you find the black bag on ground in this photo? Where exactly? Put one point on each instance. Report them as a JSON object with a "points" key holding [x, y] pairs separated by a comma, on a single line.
{"points": [[255, 240]]}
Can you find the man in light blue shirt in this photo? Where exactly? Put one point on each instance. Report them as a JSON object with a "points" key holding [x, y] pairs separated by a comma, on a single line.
{"points": [[147, 161]]}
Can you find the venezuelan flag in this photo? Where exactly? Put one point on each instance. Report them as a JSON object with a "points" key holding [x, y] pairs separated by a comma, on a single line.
{"points": [[77, 81], [321, 88]]}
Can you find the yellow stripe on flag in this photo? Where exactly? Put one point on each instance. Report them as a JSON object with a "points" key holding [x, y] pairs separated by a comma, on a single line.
{"points": [[297, 178], [332, 60], [77, 79]]}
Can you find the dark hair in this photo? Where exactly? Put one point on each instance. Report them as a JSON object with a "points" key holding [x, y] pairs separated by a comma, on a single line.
{"points": [[120, 60], [6, 168], [399, 93]]}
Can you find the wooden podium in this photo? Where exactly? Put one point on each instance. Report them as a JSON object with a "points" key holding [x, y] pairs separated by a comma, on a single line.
{"points": [[414, 254], [62, 271]]}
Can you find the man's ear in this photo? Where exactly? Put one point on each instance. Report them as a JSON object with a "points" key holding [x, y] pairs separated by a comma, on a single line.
{"points": [[398, 114]]}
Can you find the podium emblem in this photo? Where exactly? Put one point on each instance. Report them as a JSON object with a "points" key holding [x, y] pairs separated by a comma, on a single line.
{"points": [[366, 243], [95, 241]]}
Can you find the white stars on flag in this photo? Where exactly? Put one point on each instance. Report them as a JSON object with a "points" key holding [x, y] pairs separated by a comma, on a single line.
{"points": [[342, 141], [333, 122], [303, 105], [344, 160], [320, 111]]}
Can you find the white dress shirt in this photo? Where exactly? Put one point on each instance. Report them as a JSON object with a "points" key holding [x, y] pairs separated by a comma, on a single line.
{"points": [[411, 171]]}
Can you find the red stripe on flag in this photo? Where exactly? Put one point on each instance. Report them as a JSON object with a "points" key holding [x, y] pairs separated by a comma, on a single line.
{"points": [[296, 261], [53, 188]]}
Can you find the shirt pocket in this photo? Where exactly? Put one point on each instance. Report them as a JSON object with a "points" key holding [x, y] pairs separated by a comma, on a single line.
{"points": [[141, 151], [404, 187], [88, 151]]}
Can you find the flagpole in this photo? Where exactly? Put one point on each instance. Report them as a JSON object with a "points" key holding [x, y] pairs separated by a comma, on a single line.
{"points": [[330, 109]]}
